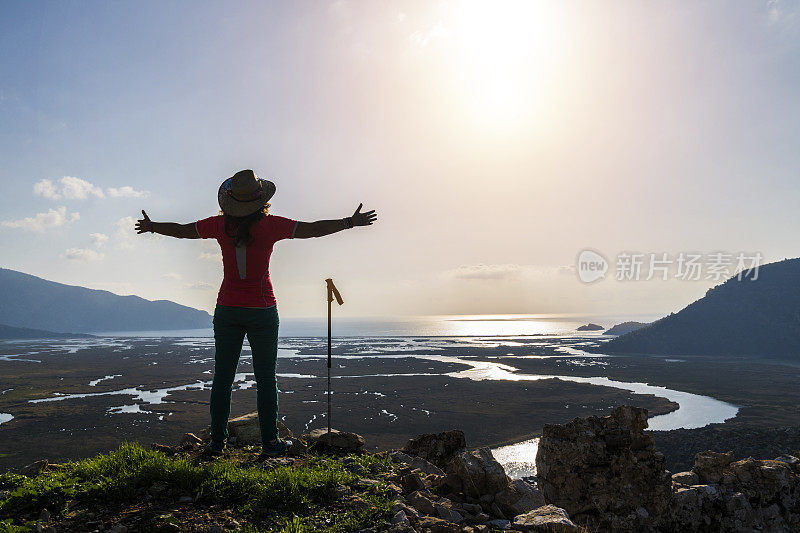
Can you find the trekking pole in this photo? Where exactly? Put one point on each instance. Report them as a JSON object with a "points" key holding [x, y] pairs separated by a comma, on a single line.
{"points": [[332, 292]]}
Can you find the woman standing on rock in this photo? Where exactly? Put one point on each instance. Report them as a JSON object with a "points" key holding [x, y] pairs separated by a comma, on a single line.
{"points": [[246, 304]]}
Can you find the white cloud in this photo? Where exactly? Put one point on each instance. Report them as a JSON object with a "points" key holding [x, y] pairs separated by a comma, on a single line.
{"points": [[82, 254], [171, 275], [47, 189], [126, 191], [125, 235], [506, 272], [211, 256], [98, 239], [199, 285], [42, 221], [481, 271], [71, 188]]}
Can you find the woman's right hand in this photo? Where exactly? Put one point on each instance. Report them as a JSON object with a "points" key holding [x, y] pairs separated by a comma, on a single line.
{"points": [[143, 225]]}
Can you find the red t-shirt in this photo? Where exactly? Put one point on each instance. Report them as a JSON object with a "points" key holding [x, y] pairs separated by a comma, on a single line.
{"points": [[246, 280]]}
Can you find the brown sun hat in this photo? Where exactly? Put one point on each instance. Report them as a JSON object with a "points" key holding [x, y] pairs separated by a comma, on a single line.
{"points": [[244, 193]]}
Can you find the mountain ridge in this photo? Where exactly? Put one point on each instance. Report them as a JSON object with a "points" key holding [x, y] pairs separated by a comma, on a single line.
{"points": [[757, 314], [28, 301]]}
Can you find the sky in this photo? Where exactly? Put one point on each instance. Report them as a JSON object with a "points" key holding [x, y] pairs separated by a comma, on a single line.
{"points": [[497, 141]]}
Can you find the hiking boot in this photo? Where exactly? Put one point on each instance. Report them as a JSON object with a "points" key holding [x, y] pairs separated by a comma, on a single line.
{"points": [[216, 447], [275, 448]]}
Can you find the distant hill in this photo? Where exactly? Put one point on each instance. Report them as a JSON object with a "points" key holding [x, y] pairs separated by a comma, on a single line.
{"points": [[10, 332], [744, 317], [30, 302], [625, 327]]}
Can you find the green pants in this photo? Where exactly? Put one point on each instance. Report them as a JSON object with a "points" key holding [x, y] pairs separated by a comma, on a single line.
{"points": [[231, 324]]}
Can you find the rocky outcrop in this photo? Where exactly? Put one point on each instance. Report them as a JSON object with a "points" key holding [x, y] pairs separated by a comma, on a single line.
{"points": [[438, 449], [466, 491], [720, 494], [680, 446], [607, 474], [605, 471]]}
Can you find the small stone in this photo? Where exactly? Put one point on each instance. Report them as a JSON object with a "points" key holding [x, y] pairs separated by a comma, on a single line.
{"points": [[499, 523], [163, 448], [190, 440], [420, 502], [412, 482], [357, 504], [400, 518], [447, 513], [185, 499], [34, 468], [297, 447]]}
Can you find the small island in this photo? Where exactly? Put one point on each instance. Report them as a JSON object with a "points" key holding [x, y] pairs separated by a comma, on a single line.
{"points": [[590, 327]]}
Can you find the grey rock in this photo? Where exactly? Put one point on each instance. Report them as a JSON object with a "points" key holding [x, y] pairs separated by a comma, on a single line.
{"points": [[421, 503], [437, 448], [548, 518], [479, 472], [400, 518], [245, 429], [686, 478], [518, 498], [499, 523], [416, 463], [34, 468], [341, 440], [709, 465], [446, 512]]}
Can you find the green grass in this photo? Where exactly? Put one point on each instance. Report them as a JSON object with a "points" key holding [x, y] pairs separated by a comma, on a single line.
{"points": [[293, 498]]}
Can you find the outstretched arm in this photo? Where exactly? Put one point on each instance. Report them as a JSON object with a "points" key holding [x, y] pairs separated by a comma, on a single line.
{"points": [[170, 229], [320, 228]]}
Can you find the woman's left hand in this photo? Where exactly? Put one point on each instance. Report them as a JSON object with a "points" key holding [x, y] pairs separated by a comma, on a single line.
{"points": [[363, 219]]}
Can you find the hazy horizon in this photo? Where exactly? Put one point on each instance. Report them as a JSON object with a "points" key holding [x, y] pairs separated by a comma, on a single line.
{"points": [[496, 140]]}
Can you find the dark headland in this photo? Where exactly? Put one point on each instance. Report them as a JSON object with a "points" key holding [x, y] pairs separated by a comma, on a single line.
{"points": [[756, 315]]}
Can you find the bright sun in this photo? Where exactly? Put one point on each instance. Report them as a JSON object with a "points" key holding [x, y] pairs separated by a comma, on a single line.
{"points": [[507, 50]]}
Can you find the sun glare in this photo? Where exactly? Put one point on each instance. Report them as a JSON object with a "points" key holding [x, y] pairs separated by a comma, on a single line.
{"points": [[507, 49]]}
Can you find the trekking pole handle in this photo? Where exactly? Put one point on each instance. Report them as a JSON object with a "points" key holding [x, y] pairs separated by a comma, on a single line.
{"points": [[333, 292]]}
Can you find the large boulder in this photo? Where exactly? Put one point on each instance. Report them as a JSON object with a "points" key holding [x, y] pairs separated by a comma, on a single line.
{"points": [[607, 469], [339, 440], [245, 429], [479, 472], [519, 497], [548, 518], [437, 448], [709, 465]]}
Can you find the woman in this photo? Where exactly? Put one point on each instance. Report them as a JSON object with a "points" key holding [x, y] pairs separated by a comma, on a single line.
{"points": [[246, 304]]}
